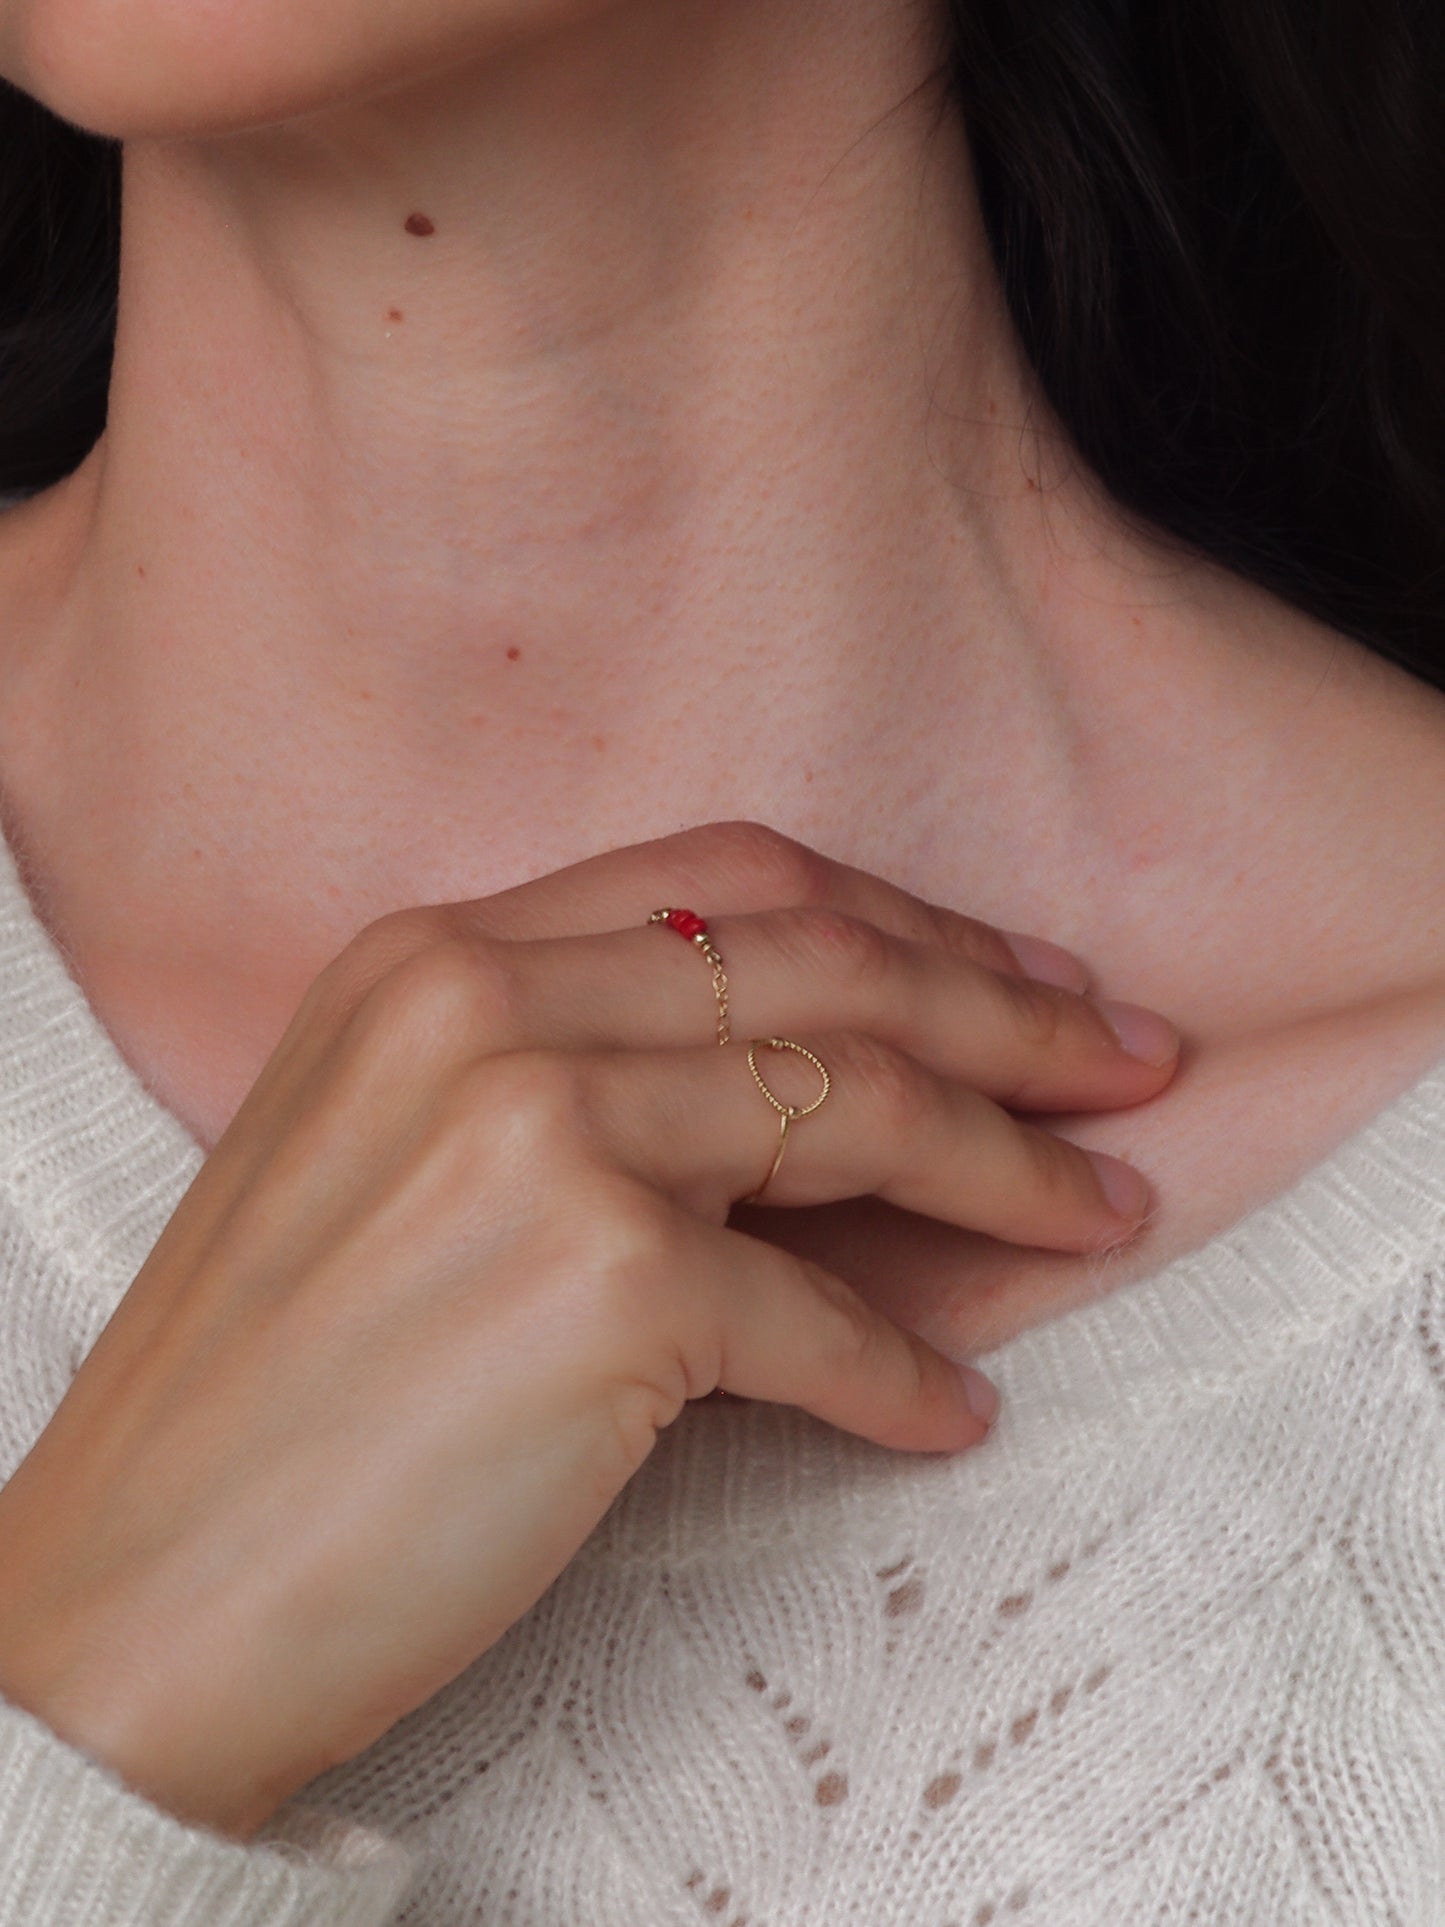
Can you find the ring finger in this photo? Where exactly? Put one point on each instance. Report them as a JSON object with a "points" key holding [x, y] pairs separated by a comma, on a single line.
{"points": [[695, 1124]]}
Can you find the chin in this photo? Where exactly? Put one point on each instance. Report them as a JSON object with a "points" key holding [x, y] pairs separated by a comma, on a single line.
{"points": [[132, 69]]}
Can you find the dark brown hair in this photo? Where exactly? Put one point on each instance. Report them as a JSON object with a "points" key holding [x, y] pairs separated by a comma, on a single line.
{"points": [[59, 253], [1220, 226], [1221, 230]]}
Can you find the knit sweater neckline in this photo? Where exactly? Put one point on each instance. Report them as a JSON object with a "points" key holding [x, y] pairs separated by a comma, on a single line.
{"points": [[96, 1165]]}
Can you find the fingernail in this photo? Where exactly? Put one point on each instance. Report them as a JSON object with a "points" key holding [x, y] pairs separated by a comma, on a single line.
{"points": [[1143, 1033], [981, 1393], [1126, 1189], [1047, 963]]}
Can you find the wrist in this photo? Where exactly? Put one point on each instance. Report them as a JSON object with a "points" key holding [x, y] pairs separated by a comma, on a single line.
{"points": [[130, 1718]]}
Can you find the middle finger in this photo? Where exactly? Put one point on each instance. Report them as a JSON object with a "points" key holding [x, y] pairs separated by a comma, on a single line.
{"points": [[1026, 1045]]}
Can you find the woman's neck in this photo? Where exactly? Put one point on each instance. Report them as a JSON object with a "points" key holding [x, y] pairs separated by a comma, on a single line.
{"points": [[687, 374], [684, 466]]}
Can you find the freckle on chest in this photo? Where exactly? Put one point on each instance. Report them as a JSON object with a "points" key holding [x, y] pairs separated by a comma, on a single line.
{"points": [[420, 224]]}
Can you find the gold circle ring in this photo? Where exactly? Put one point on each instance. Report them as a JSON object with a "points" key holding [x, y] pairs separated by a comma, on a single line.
{"points": [[787, 1113]]}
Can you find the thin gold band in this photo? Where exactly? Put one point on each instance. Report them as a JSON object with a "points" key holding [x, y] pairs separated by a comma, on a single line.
{"points": [[787, 1113]]}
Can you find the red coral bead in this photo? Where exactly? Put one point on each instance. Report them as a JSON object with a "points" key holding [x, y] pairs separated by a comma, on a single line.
{"points": [[687, 923]]}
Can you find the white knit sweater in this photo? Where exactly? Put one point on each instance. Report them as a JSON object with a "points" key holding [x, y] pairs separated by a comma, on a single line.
{"points": [[1169, 1648]]}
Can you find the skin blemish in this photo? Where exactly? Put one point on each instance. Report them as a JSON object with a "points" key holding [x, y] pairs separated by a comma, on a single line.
{"points": [[514, 654], [599, 743], [140, 569], [395, 314], [420, 224]]}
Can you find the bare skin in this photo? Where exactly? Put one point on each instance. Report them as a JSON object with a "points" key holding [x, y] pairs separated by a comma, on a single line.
{"points": [[622, 433], [462, 1254], [586, 542]]}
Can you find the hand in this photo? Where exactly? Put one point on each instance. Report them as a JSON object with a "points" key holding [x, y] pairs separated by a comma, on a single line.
{"points": [[462, 1253]]}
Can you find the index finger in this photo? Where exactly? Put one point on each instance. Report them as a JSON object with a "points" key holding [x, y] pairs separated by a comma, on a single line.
{"points": [[740, 868]]}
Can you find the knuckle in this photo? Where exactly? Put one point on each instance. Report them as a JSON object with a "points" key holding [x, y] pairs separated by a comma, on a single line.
{"points": [[841, 949], [629, 1238], [368, 957], [511, 1132], [613, 1260], [453, 991], [1055, 1167], [854, 1328], [891, 1087], [746, 863], [492, 1149], [379, 946], [526, 1102], [1033, 1014], [971, 940], [502, 1140]]}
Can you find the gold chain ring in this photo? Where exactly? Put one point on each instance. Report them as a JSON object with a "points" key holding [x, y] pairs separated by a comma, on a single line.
{"points": [[687, 923]]}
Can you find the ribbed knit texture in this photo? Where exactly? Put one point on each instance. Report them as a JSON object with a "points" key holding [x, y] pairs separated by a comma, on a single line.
{"points": [[1169, 1648]]}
